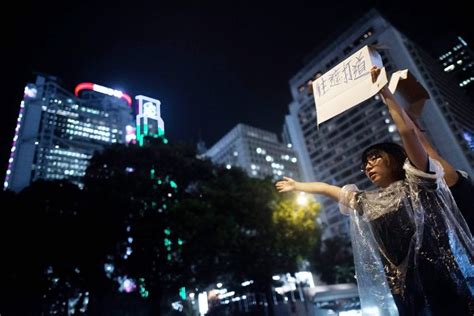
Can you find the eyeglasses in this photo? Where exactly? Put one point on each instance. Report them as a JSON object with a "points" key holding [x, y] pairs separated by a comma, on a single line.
{"points": [[372, 159]]}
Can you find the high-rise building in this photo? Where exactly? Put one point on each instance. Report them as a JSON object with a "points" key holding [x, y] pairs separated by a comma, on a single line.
{"points": [[256, 151], [57, 132], [331, 153], [459, 61]]}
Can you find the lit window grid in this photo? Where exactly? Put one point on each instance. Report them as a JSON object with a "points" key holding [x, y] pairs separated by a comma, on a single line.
{"points": [[75, 127], [260, 158], [61, 164], [275, 164]]}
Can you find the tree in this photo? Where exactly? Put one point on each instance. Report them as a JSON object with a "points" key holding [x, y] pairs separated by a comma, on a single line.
{"points": [[288, 233], [151, 220], [253, 231], [142, 185], [47, 253], [333, 260]]}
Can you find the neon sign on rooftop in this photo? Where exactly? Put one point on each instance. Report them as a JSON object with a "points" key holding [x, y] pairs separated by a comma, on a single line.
{"points": [[101, 89]]}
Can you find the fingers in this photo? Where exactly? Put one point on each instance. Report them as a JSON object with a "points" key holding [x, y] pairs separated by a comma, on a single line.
{"points": [[285, 185], [374, 72], [282, 186], [282, 189]]}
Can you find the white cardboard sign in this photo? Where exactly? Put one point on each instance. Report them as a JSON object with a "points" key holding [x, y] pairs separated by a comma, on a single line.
{"points": [[347, 84]]}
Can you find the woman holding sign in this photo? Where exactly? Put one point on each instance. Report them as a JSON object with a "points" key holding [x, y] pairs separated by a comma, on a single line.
{"points": [[409, 240]]}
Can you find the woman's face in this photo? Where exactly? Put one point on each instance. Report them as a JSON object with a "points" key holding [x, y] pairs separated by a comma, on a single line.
{"points": [[377, 169]]}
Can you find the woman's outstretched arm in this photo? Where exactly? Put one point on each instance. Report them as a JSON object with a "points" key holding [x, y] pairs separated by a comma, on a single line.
{"points": [[406, 128], [288, 184]]}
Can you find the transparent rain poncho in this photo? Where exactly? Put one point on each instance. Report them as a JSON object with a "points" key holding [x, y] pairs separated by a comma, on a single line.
{"points": [[413, 251]]}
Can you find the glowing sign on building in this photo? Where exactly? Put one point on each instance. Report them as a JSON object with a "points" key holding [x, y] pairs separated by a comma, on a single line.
{"points": [[149, 121], [102, 89], [130, 134]]}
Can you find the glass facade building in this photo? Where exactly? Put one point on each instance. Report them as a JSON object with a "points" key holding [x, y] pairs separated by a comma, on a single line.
{"points": [[58, 132], [257, 152], [459, 61]]}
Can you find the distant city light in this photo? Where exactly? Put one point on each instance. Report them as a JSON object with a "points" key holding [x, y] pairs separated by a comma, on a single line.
{"points": [[178, 306], [226, 295], [126, 285], [30, 92], [449, 68], [246, 283], [462, 40], [142, 289], [109, 269], [203, 304], [173, 184], [130, 134], [182, 293]]}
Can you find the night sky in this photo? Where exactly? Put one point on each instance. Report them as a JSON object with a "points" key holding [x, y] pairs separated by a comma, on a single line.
{"points": [[212, 64]]}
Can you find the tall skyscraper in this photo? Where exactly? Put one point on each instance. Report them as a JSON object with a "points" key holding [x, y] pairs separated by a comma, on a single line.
{"points": [[459, 61], [57, 132], [256, 151], [331, 153]]}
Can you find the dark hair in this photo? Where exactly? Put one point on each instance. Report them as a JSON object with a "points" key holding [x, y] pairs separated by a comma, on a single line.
{"points": [[396, 155]]}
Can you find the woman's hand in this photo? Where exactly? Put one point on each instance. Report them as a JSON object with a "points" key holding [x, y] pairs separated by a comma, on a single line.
{"points": [[384, 92], [374, 72], [288, 184], [285, 185]]}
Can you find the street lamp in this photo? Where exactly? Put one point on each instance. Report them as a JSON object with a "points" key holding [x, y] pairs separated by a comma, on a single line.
{"points": [[302, 199]]}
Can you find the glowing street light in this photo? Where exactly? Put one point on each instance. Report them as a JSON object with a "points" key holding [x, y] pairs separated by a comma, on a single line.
{"points": [[302, 199]]}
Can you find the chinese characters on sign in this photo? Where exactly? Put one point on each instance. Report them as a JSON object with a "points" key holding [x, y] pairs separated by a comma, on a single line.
{"points": [[347, 84], [352, 69]]}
